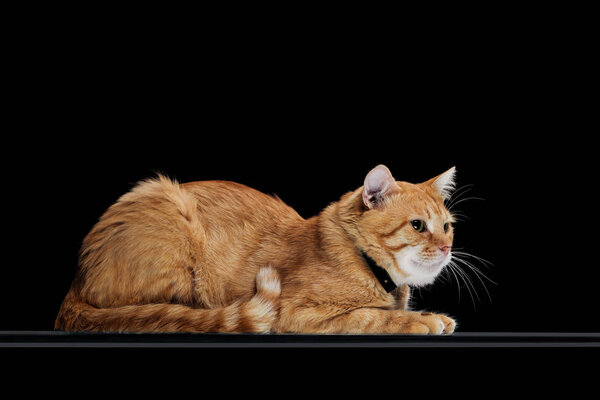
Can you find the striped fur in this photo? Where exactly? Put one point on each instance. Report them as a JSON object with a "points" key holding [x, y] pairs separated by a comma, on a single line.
{"points": [[255, 315], [218, 256]]}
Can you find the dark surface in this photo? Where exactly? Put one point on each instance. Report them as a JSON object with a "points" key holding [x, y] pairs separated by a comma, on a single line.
{"points": [[41, 339]]}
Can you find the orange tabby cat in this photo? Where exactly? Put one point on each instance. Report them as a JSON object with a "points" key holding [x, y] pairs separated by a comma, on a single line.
{"points": [[218, 256]]}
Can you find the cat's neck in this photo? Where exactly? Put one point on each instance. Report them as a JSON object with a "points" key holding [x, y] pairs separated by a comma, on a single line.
{"points": [[342, 243], [337, 235]]}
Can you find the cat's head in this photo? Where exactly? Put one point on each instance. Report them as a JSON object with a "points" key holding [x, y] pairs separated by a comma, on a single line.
{"points": [[406, 227]]}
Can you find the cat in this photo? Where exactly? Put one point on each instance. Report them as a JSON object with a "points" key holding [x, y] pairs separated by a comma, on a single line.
{"points": [[217, 256]]}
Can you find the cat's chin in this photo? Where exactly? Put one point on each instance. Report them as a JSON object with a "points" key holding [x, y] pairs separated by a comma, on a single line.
{"points": [[418, 274], [422, 280], [414, 271]]}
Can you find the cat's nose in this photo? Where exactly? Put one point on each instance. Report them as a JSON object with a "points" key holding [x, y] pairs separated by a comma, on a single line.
{"points": [[445, 249]]}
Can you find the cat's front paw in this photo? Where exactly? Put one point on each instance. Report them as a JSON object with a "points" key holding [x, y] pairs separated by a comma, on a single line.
{"points": [[426, 323]]}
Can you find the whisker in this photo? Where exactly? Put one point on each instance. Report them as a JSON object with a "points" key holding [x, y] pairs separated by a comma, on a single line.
{"points": [[443, 276], [450, 269], [463, 200], [485, 262], [462, 264], [468, 283], [460, 217], [468, 279], [478, 274], [474, 268], [457, 193], [469, 286]]}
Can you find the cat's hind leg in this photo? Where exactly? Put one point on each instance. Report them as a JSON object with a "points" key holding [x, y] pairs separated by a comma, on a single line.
{"points": [[255, 315]]}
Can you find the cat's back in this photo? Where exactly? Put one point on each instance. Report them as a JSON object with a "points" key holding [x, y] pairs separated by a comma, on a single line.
{"points": [[235, 204], [171, 211], [161, 227]]}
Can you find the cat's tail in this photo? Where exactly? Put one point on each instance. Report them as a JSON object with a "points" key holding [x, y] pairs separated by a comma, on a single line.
{"points": [[256, 315]]}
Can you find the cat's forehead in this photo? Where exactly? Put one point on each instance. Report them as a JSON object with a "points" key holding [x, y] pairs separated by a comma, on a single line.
{"points": [[420, 199], [418, 191]]}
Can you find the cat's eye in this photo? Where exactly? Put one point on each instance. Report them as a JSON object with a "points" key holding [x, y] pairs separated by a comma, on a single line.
{"points": [[419, 225], [446, 227]]}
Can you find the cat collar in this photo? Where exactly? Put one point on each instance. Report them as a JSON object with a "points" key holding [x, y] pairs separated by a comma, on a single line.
{"points": [[381, 274]]}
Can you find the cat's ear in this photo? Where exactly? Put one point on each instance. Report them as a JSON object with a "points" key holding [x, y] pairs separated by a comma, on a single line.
{"points": [[378, 184], [445, 183]]}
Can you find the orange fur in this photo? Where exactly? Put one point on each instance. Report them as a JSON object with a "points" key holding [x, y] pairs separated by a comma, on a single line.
{"points": [[218, 256]]}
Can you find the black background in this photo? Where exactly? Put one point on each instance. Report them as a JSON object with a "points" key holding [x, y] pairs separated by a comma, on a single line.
{"points": [[92, 115], [303, 104]]}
